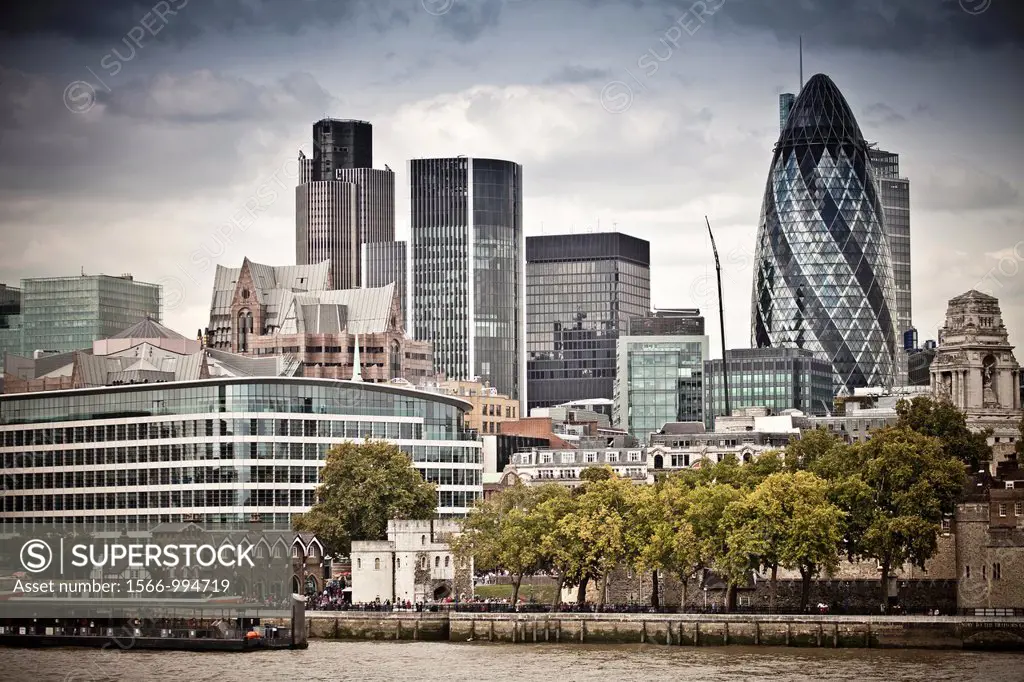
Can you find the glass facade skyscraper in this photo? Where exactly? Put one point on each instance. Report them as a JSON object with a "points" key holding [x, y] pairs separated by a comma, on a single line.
{"points": [[386, 263], [776, 378], [895, 193], [468, 268], [659, 379], [786, 100], [823, 275], [580, 291], [69, 313]]}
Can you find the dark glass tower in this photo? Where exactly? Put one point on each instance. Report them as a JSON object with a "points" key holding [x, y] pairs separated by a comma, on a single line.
{"points": [[823, 270], [581, 289], [340, 144], [468, 268]]}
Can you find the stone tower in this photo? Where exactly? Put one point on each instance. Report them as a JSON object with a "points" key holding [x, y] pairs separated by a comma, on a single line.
{"points": [[976, 370]]}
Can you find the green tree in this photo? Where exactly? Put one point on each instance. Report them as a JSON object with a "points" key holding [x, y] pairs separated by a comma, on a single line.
{"points": [[895, 489], [941, 419], [595, 474], [362, 487], [505, 533], [787, 521], [813, 445], [705, 513], [559, 550]]}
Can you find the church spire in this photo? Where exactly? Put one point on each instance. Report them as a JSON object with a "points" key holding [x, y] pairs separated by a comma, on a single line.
{"points": [[357, 374]]}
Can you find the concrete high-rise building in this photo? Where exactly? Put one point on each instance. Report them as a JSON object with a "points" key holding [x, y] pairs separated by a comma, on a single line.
{"points": [[581, 289], [68, 313], [468, 268], [327, 228], [823, 277], [342, 202], [386, 263], [894, 191], [340, 144], [786, 100]]}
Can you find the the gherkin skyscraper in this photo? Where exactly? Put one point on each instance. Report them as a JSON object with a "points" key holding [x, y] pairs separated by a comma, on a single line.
{"points": [[823, 277]]}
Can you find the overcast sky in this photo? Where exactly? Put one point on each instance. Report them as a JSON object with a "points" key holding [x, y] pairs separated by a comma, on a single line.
{"points": [[636, 115]]}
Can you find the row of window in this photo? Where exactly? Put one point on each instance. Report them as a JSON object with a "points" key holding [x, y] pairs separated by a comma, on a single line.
{"points": [[197, 452]]}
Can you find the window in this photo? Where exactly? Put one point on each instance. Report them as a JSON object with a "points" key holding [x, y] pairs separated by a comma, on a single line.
{"points": [[611, 457], [1002, 509], [967, 571], [359, 563], [946, 525], [997, 571], [437, 562], [446, 562], [423, 539], [590, 457], [376, 564], [398, 563], [1018, 508]]}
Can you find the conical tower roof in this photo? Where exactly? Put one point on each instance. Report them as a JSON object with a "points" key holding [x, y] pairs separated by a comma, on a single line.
{"points": [[821, 114]]}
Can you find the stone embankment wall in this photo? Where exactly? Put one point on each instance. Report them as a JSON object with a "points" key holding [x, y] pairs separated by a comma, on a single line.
{"points": [[897, 632]]}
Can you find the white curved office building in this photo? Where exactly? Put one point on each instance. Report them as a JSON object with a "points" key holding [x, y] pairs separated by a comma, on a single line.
{"points": [[215, 450]]}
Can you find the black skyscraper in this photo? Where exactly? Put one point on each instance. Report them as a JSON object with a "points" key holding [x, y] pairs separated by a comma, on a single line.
{"points": [[581, 289], [340, 144]]}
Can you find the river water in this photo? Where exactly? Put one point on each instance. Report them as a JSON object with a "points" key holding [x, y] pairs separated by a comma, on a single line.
{"points": [[416, 661]]}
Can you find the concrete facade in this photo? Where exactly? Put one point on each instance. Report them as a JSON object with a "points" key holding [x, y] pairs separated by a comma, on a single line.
{"points": [[975, 369]]}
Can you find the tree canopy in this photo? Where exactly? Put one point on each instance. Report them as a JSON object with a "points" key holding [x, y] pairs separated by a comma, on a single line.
{"points": [[941, 419], [362, 487]]}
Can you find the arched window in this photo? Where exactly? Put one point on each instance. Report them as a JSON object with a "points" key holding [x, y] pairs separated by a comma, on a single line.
{"points": [[376, 564], [359, 563], [243, 329], [446, 562], [437, 562], [396, 358], [398, 563], [423, 539]]}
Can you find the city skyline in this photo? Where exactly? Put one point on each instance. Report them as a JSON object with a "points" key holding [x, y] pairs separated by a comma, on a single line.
{"points": [[707, 102]]}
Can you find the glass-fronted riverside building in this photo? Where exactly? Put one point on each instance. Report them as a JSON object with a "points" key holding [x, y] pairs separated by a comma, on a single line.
{"points": [[776, 378], [581, 290], [468, 267], [216, 450], [823, 277]]}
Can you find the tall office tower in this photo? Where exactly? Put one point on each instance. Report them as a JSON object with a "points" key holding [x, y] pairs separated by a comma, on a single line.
{"points": [[667, 321], [386, 263], [580, 291], [340, 144], [468, 268], [823, 277], [69, 313], [327, 228], [895, 193], [786, 100], [375, 206]]}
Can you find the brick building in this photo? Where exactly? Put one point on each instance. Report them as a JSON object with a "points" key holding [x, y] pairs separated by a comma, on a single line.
{"points": [[269, 311]]}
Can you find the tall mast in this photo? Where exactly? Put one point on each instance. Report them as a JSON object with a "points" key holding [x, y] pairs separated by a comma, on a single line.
{"points": [[801, 63], [721, 321]]}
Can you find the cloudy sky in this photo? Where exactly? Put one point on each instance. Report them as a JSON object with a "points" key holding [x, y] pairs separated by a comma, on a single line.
{"points": [[134, 136]]}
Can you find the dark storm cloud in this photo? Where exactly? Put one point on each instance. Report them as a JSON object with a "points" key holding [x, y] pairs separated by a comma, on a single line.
{"points": [[575, 75], [880, 114], [896, 25], [104, 22]]}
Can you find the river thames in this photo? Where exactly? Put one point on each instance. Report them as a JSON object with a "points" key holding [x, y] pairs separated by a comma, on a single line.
{"points": [[416, 661]]}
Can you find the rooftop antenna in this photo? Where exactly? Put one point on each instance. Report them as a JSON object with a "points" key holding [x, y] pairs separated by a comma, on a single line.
{"points": [[801, 62], [721, 319]]}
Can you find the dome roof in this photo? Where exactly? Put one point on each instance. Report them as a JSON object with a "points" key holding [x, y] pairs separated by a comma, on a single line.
{"points": [[821, 114]]}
